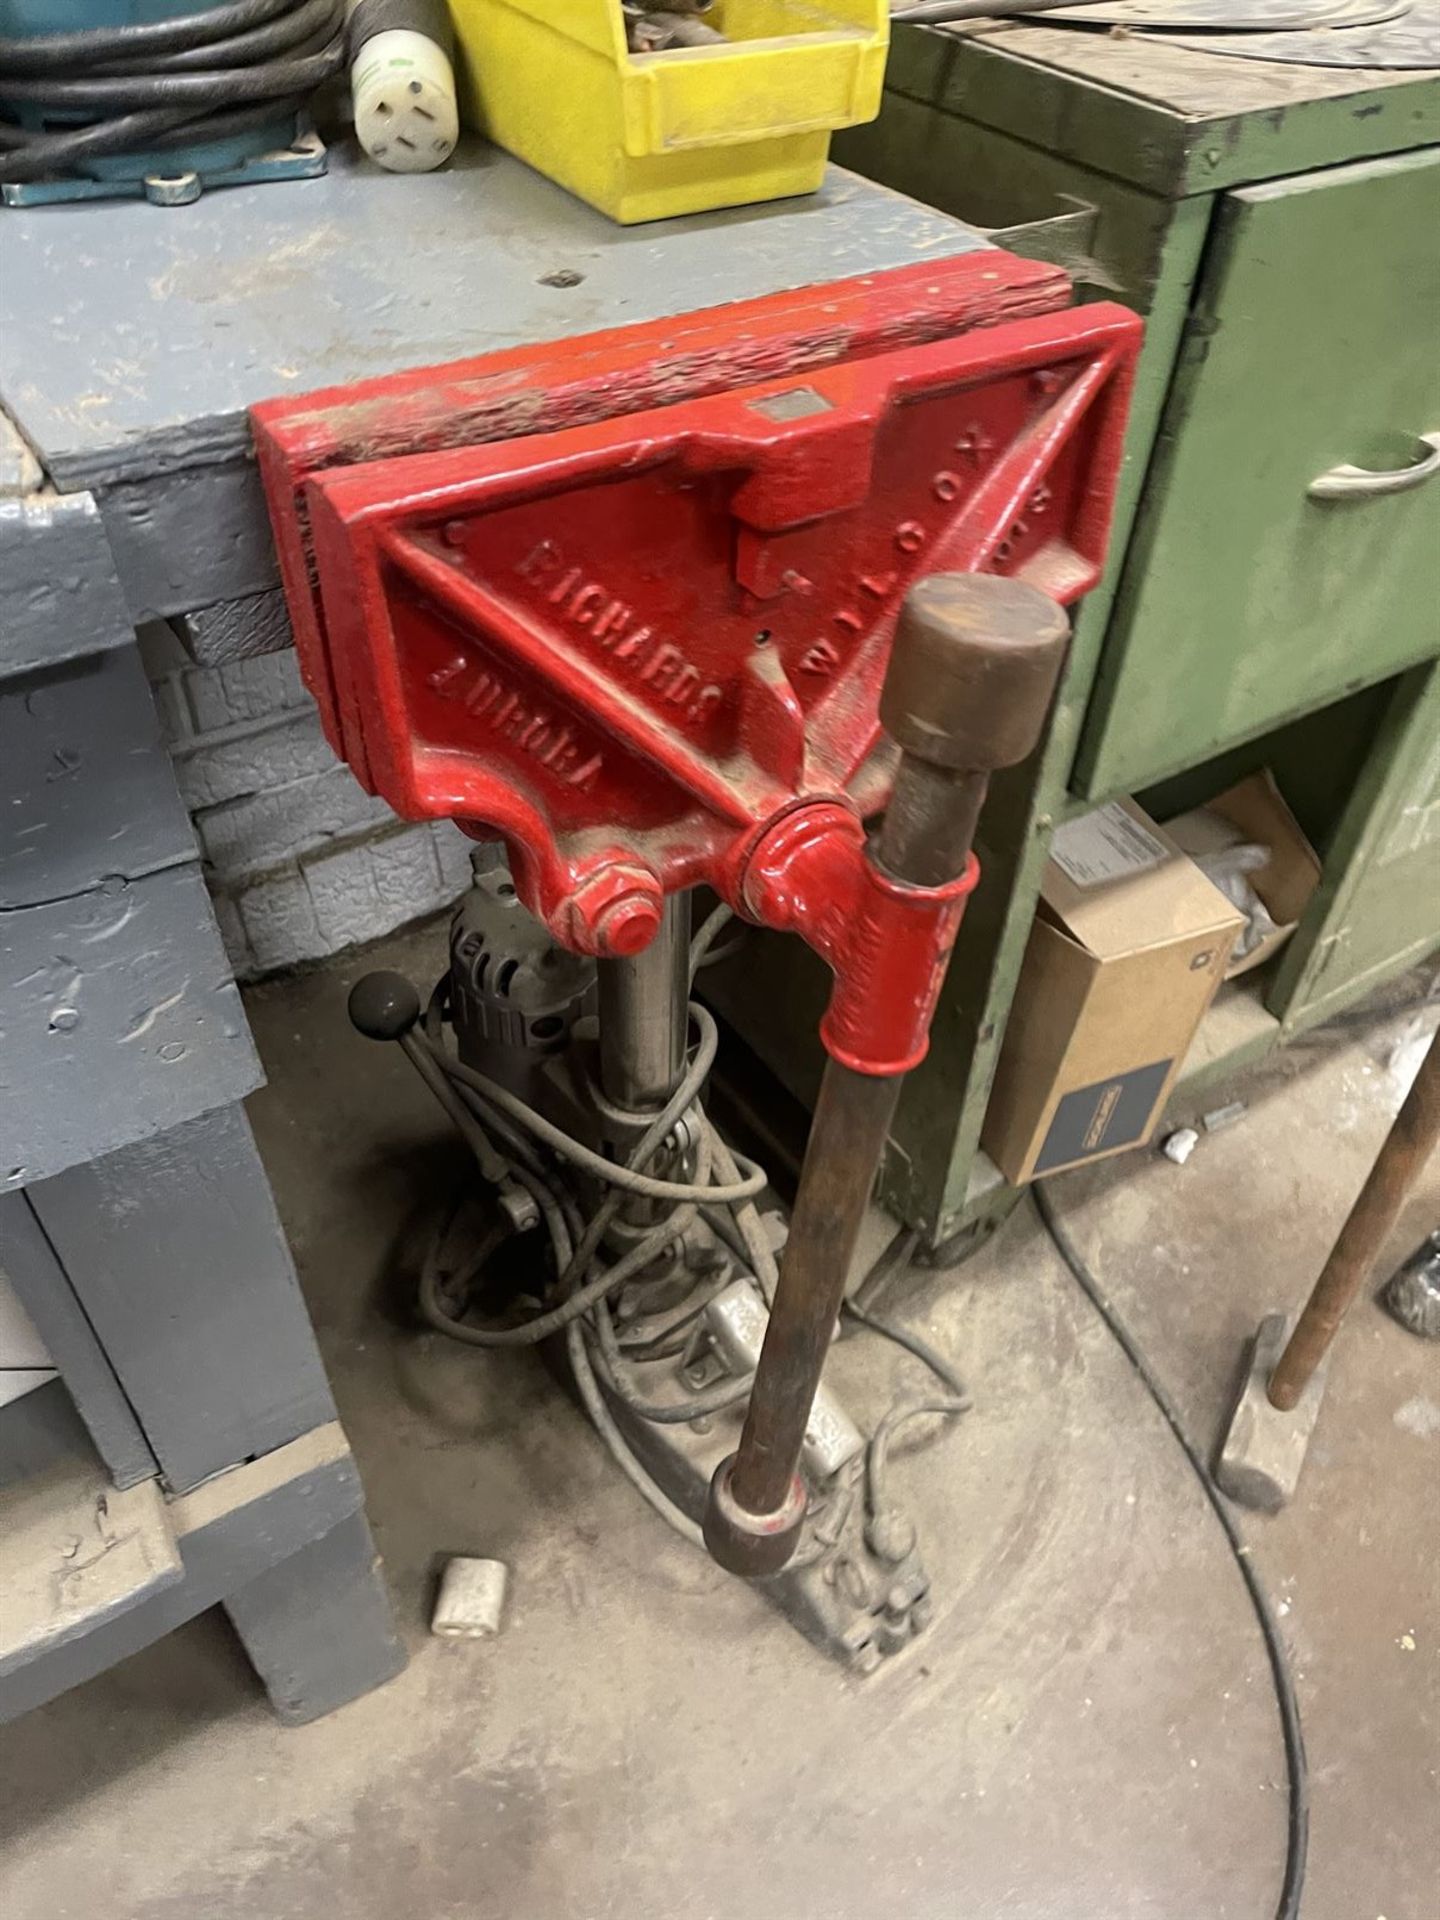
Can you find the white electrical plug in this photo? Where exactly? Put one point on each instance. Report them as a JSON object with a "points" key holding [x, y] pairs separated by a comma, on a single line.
{"points": [[403, 89]]}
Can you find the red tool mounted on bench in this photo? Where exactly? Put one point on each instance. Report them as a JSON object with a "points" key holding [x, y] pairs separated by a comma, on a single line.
{"points": [[628, 601]]}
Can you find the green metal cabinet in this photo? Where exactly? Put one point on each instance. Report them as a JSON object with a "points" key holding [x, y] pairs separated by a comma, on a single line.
{"points": [[1379, 907], [1246, 599], [1279, 228]]}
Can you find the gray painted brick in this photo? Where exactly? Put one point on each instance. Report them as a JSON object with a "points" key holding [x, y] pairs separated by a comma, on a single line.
{"points": [[348, 893], [252, 758], [300, 861], [252, 833], [244, 690], [357, 889], [280, 924], [407, 869], [453, 850]]}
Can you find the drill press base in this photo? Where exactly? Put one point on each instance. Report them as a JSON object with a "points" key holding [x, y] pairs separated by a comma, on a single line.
{"points": [[852, 1592]]}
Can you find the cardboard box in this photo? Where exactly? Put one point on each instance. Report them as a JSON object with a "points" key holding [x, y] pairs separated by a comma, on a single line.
{"points": [[1128, 947], [1254, 811]]}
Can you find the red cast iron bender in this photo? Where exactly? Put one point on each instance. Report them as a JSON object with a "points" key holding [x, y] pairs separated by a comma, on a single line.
{"points": [[627, 600]]}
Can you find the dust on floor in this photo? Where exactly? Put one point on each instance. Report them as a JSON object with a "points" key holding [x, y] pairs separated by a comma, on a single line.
{"points": [[1087, 1732]]}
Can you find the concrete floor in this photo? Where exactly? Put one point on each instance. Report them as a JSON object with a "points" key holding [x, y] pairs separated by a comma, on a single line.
{"points": [[1087, 1733]]}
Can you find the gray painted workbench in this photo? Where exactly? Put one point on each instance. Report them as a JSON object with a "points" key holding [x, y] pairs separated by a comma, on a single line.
{"points": [[131, 344], [136, 1222]]}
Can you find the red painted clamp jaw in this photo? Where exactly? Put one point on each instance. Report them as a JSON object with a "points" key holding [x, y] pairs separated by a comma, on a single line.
{"points": [[637, 624], [886, 943]]}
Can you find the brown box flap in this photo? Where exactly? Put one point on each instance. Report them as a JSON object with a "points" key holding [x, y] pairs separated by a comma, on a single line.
{"points": [[1112, 871], [1254, 810]]}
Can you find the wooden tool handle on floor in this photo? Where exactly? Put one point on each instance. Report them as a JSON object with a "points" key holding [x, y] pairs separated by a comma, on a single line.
{"points": [[1407, 1147]]}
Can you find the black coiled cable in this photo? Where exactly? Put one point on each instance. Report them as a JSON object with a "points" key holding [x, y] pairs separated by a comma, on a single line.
{"points": [[163, 83]]}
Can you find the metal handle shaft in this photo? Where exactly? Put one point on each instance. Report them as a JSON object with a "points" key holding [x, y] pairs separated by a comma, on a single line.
{"points": [[970, 680]]}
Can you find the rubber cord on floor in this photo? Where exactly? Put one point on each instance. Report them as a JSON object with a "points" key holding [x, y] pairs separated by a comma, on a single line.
{"points": [[1286, 1700]]}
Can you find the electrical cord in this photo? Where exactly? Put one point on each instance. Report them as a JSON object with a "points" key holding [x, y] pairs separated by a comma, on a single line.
{"points": [[303, 27], [58, 52], [704, 952], [197, 78], [129, 92], [603, 1422], [710, 929], [1286, 1700], [493, 1165], [613, 1172], [539, 1326], [508, 1136], [912, 1344], [893, 1259], [496, 1123], [609, 1356], [671, 1340], [939, 13], [887, 1527], [563, 1222]]}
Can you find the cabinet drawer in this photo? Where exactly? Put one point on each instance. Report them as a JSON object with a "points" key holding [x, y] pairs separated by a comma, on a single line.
{"points": [[1245, 599], [1379, 907]]}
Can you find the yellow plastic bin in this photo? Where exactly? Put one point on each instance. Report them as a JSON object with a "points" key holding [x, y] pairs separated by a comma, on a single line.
{"points": [[644, 136]]}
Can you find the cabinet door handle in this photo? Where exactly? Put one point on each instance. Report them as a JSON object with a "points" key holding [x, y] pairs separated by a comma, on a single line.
{"points": [[1359, 483]]}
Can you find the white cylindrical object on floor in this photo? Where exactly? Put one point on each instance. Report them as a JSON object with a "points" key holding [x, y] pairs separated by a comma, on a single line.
{"points": [[403, 89], [471, 1599]]}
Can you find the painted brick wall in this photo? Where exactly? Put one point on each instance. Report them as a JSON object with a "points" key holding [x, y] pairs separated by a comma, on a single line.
{"points": [[300, 861]]}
